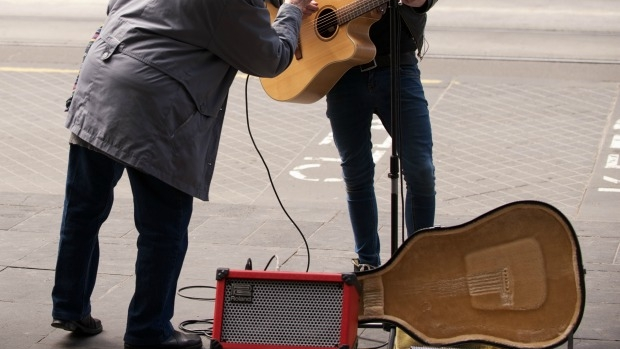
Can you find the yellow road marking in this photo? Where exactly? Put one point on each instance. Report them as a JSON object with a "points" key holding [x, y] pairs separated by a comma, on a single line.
{"points": [[75, 71], [37, 70], [431, 81]]}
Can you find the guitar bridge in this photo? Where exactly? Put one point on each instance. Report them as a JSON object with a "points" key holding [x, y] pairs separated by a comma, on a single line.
{"points": [[492, 283]]}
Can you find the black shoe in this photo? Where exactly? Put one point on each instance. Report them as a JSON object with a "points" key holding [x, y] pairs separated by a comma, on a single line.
{"points": [[87, 326], [178, 340]]}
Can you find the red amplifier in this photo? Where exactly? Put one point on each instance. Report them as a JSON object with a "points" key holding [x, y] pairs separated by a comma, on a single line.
{"points": [[284, 310]]}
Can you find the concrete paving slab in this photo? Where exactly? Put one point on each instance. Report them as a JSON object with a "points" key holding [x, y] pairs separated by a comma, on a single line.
{"points": [[16, 247], [42, 258], [11, 215], [600, 322], [225, 230], [26, 286], [24, 324], [45, 221], [598, 250], [602, 286]]}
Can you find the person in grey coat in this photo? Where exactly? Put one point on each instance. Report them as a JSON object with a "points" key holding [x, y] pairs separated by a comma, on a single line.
{"points": [[150, 99]]}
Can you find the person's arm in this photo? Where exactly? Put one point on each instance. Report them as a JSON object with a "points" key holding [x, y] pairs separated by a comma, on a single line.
{"points": [[252, 43], [307, 7]]}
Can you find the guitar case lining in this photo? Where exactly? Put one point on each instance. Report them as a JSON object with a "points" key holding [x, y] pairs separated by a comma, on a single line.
{"points": [[512, 277]]}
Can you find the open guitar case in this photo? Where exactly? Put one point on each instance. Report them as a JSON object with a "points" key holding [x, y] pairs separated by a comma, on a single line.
{"points": [[512, 277]]}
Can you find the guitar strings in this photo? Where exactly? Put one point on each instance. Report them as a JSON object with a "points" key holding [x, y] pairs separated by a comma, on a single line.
{"points": [[342, 15], [474, 285]]}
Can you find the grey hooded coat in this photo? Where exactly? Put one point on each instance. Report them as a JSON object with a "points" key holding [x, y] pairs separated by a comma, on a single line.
{"points": [[152, 89]]}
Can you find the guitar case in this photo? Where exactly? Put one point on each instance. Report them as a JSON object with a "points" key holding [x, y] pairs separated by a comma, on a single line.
{"points": [[512, 277]]}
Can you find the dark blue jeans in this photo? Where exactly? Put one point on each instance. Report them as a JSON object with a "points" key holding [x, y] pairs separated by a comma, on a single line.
{"points": [[350, 108], [161, 214]]}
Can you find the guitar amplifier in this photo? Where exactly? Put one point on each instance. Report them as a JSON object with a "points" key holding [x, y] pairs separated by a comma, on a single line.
{"points": [[286, 310]]}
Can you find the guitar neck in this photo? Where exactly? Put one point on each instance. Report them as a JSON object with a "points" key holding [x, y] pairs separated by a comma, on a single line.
{"points": [[357, 8]]}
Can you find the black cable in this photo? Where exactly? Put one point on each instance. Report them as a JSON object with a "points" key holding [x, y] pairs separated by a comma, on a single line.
{"points": [[269, 262], [207, 332], [183, 326], [247, 115], [195, 298]]}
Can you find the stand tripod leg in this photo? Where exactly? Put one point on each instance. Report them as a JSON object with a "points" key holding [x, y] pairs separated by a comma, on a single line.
{"points": [[392, 338]]}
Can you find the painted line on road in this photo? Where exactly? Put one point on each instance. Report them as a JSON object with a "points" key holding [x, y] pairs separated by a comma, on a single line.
{"points": [[611, 180], [431, 82], [555, 11], [37, 70], [75, 71]]}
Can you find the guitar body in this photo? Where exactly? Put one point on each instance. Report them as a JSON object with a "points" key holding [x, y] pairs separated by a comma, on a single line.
{"points": [[512, 277], [324, 54]]}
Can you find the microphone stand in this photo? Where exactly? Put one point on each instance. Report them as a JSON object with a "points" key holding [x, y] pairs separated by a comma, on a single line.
{"points": [[395, 132], [395, 25], [394, 175], [395, 117]]}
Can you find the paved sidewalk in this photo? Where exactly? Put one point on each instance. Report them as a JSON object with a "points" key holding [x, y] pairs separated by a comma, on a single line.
{"points": [[497, 140], [518, 115]]}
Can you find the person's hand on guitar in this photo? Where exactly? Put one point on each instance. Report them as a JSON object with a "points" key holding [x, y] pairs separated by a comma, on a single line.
{"points": [[413, 3], [308, 7]]}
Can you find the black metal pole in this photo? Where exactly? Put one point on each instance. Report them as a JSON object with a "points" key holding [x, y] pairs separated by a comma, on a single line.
{"points": [[395, 117]]}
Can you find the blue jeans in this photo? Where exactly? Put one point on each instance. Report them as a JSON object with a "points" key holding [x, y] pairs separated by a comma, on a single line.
{"points": [[161, 215], [351, 104]]}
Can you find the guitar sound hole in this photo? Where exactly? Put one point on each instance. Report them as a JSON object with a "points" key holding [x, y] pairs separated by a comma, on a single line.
{"points": [[327, 23]]}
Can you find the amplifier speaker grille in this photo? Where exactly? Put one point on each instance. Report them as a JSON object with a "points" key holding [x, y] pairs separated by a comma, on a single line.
{"points": [[258, 309], [284, 312]]}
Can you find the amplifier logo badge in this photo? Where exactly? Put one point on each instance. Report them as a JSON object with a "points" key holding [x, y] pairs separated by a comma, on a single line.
{"points": [[242, 293]]}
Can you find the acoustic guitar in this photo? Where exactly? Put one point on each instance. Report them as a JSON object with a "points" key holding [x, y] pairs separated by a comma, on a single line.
{"points": [[511, 277], [332, 40]]}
